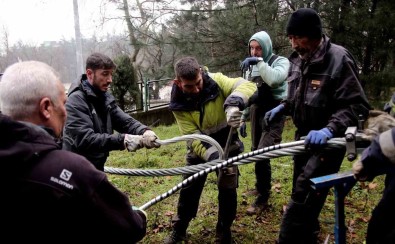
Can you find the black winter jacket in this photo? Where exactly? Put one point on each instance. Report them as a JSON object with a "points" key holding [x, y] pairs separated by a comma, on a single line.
{"points": [[325, 91], [54, 196], [91, 121]]}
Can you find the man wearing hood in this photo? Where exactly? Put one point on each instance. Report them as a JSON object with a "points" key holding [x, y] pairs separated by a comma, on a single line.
{"points": [[269, 72], [50, 195]]}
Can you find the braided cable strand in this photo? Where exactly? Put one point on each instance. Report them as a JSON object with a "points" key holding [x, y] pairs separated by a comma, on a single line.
{"points": [[275, 151], [172, 171]]}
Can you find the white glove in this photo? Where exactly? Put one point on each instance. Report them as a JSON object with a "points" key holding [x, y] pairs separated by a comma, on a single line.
{"points": [[233, 116], [149, 139], [132, 142]]}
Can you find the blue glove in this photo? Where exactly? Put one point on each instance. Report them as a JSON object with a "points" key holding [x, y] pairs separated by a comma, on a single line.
{"points": [[270, 115], [243, 129], [249, 61], [317, 138]]}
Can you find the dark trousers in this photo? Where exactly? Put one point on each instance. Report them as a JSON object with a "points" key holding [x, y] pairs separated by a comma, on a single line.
{"points": [[188, 201], [300, 222], [381, 228], [264, 136]]}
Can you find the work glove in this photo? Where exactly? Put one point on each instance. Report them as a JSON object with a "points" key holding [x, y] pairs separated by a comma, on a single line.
{"points": [[377, 122], [272, 114], [132, 142], [249, 61], [360, 172], [317, 138], [138, 209], [372, 163], [243, 129], [233, 116], [149, 139]]}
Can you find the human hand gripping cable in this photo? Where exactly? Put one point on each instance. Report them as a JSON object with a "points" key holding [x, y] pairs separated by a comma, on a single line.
{"points": [[132, 142], [149, 139], [233, 116], [317, 138]]}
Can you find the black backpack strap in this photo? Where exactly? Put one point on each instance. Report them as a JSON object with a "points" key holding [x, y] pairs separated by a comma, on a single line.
{"points": [[271, 60]]}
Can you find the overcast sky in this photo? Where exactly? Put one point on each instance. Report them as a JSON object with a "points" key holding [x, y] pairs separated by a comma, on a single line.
{"points": [[36, 21]]}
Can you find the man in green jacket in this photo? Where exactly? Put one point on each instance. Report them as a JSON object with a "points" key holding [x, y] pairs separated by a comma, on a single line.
{"points": [[269, 72], [210, 104]]}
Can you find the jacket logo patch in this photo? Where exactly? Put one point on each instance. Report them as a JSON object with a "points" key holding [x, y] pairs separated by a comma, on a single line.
{"points": [[65, 175]]}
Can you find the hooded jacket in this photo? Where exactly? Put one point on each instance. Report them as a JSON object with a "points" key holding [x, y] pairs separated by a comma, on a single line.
{"points": [[55, 196], [274, 75], [91, 121], [205, 114]]}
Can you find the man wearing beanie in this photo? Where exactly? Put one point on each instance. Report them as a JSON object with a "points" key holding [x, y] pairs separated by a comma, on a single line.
{"points": [[324, 98]]}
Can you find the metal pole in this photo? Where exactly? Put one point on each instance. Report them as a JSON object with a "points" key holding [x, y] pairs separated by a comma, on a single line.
{"points": [[78, 41]]}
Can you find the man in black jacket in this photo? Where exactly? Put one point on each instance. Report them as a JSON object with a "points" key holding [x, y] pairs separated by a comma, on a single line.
{"points": [[93, 115], [324, 98], [50, 195]]}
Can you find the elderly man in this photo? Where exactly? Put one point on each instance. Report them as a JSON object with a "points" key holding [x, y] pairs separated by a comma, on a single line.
{"points": [[324, 98], [51, 195]]}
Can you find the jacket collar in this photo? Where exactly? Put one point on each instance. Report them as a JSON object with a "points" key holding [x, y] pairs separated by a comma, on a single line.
{"points": [[181, 101]]}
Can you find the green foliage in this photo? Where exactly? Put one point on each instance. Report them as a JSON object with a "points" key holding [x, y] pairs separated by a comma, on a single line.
{"points": [[124, 86], [261, 228]]}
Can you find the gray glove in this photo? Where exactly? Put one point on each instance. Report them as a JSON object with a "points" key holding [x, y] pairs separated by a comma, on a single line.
{"points": [[377, 123], [132, 142], [149, 139], [233, 116]]}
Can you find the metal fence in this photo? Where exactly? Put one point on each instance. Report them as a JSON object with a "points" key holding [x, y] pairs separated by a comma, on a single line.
{"points": [[155, 94]]}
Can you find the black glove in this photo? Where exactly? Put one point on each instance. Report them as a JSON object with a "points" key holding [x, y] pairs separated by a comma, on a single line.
{"points": [[249, 61], [243, 129]]}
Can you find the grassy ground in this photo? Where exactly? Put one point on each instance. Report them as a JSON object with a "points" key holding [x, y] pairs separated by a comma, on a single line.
{"points": [[261, 228]]}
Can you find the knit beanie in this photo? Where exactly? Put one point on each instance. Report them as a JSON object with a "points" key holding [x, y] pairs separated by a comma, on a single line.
{"points": [[305, 22]]}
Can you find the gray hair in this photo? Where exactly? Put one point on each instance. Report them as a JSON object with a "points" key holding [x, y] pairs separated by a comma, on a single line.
{"points": [[24, 84]]}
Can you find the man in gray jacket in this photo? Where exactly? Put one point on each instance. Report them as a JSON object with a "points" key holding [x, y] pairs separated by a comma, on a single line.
{"points": [[93, 115]]}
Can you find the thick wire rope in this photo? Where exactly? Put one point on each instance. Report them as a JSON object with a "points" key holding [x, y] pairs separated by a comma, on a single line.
{"points": [[279, 150], [172, 171]]}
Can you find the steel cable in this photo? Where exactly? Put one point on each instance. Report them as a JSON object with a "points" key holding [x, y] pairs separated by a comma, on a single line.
{"points": [[285, 149]]}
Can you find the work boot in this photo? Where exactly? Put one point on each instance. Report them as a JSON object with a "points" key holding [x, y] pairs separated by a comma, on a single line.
{"points": [[175, 237], [223, 237], [257, 208]]}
